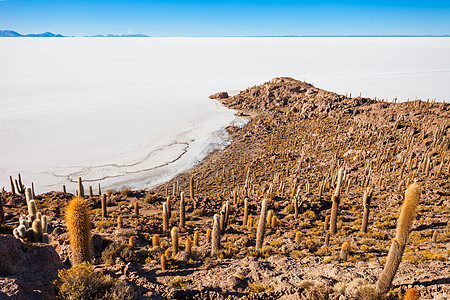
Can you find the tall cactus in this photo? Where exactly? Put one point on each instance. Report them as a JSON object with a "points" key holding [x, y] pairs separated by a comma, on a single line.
{"points": [[215, 242], [165, 214], [174, 234], [191, 187], [367, 197], [182, 211], [79, 228], [261, 226], [11, 182], [2, 213], [136, 208], [80, 188], [104, 210], [244, 222], [405, 221], [335, 199]]}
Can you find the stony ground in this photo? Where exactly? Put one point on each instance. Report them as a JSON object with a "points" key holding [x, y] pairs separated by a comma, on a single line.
{"points": [[297, 137]]}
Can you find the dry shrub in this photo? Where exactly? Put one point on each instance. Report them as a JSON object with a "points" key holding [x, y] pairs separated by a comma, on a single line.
{"points": [[82, 282]]}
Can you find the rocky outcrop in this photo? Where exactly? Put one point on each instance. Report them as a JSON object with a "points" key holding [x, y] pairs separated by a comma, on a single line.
{"points": [[27, 271], [219, 96], [298, 97]]}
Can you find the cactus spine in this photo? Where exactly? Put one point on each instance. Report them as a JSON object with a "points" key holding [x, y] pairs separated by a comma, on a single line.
{"points": [[174, 234], [80, 188], [261, 226], [182, 211], [79, 228], [165, 213], [406, 218], [215, 243], [367, 197]]}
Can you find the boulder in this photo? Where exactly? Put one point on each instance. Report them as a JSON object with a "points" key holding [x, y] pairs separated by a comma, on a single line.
{"points": [[27, 271]]}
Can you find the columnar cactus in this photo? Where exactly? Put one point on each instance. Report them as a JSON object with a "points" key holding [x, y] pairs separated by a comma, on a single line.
{"points": [[208, 235], [175, 235], [269, 217], [2, 214], [163, 262], [165, 214], [367, 197], [298, 237], [80, 188], [132, 242], [196, 238], [188, 245], [11, 182], [155, 240], [434, 237], [37, 230], [136, 208], [215, 242], [91, 193], [405, 221], [344, 251], [182, 211], [335, 199], [28, 194], [261, 226], [169, 207], [64, 189], [244, 222], [104, 210], [119, 221], [250, 222], [274, 222], [326, 223], [99, 190], [79, 228], [191, 187]]}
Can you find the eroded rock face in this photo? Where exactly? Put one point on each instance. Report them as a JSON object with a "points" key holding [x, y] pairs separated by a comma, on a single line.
{"points": [[27, 271]]}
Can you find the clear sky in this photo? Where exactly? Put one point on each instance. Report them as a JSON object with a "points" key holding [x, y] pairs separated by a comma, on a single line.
{"points": [[226, 18]]}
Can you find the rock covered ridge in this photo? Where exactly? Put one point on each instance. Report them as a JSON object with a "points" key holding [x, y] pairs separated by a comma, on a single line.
{"points": [[299, 97], [289, 154]]}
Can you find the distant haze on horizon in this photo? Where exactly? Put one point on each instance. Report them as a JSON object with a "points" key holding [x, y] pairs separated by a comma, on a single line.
{"points": [[233, 18]]}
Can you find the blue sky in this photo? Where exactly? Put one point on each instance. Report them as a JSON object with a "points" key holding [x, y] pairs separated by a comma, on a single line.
{"points": [[226, 18]]}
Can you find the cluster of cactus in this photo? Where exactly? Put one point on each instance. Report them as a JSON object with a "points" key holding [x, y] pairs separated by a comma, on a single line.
{"points": [[32, 227]]}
